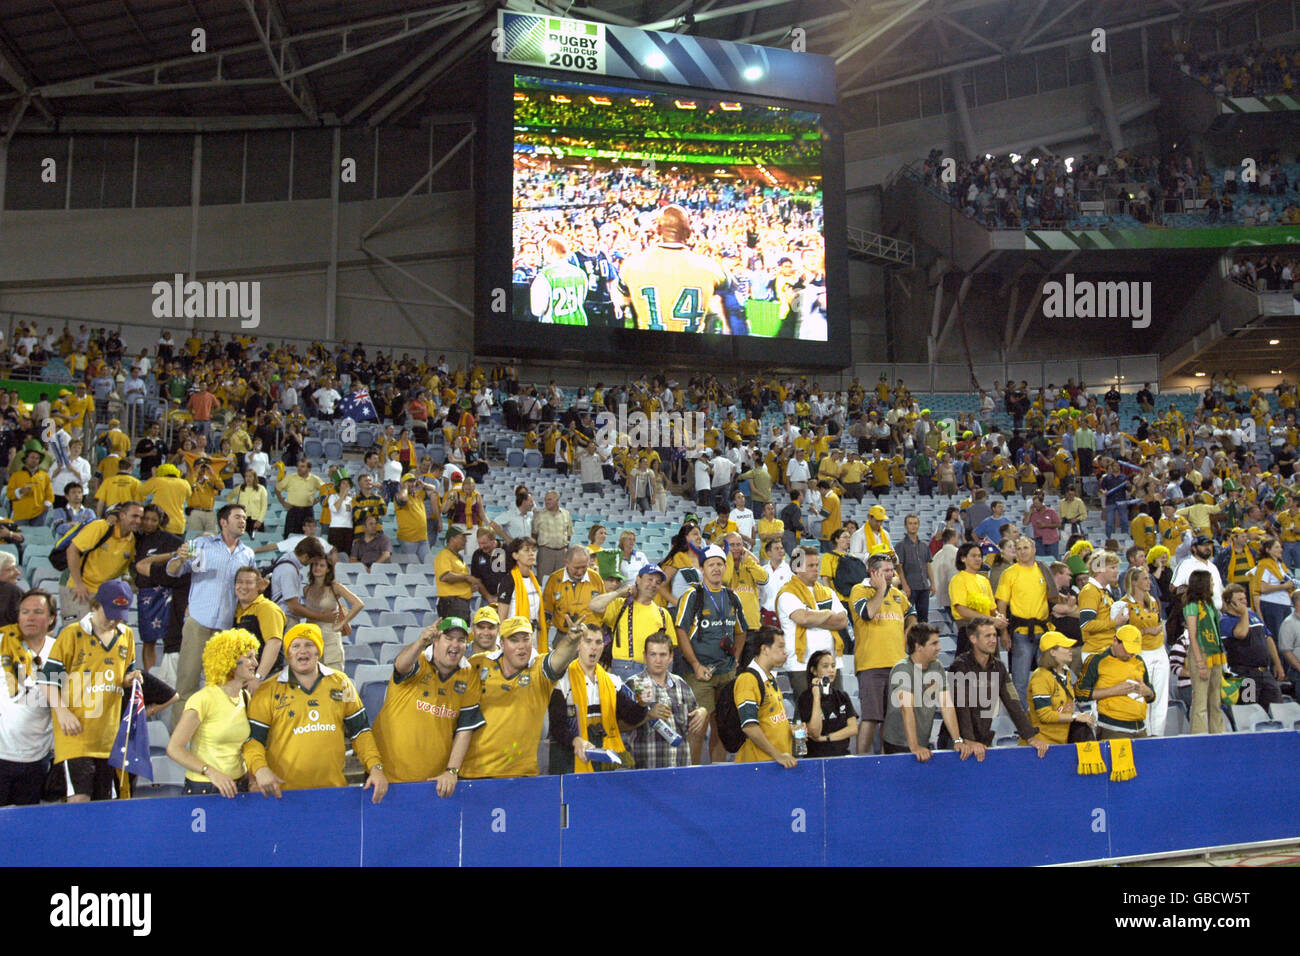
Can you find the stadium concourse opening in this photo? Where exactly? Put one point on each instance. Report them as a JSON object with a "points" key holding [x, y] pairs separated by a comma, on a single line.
{"points": [[558, 466]]}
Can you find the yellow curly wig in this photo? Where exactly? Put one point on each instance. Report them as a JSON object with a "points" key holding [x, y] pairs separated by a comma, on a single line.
{"points": [[223, 651]]}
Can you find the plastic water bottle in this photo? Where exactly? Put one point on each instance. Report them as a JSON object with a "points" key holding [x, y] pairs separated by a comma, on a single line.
{"points": [[800, 739], [602, 755]]}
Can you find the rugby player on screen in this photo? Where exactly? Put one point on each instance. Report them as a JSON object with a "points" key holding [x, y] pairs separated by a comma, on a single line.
{"points": [[670, 287], [557, 294], [602, 277]]}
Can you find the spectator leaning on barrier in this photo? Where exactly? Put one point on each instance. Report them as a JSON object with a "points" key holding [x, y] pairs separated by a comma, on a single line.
{"points": [[979, 679], [301, 721], [1117, 680], [1051, 695], [431, 709], [917, 686], [209, 736], [515, 698]]}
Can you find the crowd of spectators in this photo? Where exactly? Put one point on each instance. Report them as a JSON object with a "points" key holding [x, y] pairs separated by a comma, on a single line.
{"points": [[1253, 71], [632, 659]]}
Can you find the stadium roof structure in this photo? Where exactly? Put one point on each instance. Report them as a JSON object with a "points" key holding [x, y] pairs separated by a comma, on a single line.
{"points": [[130, 65]]}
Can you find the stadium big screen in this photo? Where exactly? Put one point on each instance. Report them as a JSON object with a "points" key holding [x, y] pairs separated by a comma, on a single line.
{"points": [[643, 220]]}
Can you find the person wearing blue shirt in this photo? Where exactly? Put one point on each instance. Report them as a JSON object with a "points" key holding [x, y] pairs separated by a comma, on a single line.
{"points": [[73, 512], [991, 527]]}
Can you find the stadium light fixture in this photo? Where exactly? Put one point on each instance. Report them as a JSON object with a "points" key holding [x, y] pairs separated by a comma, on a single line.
{"points": [[1274, 341], [729, 107], [1015, 157], [1200, 375], [684, 104], [599, 100], [1275, 371], [656, 60], [753, 73], [1034, 161]]}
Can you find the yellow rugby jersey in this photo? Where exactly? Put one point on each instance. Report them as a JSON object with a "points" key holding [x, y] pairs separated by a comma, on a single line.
{"points": [[971, 590], [91, 674], [300, 732], [412, 519], [767, 709], [203, 493], [37, 496], [262, 618], [171, 494], [1121, 711], [851, 473], [105, 561], [1143, 531], [1241, 564], [1144, 617], [671, 288], [1289, 523], [642, 620], [513, 709], [879, 473], [1171, 530], [832, 521], [1047, 693], [421, 716], [1094, 617], [108, 466], [878, 641]]}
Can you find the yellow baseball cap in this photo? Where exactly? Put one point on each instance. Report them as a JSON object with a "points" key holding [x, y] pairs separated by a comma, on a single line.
{"points": [[486, 613], [1052, 639], [1130, 637], [516, 625], [878, 512]]}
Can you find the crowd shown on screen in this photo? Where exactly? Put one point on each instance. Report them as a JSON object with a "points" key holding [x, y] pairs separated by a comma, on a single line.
{"points": [[539, 649]]}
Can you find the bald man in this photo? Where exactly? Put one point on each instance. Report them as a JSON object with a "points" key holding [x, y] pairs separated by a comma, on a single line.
{"points": [[671, 288]]}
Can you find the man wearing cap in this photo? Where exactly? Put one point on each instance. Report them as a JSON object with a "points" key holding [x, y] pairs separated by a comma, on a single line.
{"points": [[1117, 680], [711, 630], [300, 724], [298, 493], [431, 708], [101, 551], [567, 594], [88, 672], [30, 491], [484, 631], [456, 586], [1199, 560], [514, 700], [631, 615], [872, 538], [212, 563]]}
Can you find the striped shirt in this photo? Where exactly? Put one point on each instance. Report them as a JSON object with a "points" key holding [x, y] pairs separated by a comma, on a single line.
{"points": [[212, 587], [648, 748]]}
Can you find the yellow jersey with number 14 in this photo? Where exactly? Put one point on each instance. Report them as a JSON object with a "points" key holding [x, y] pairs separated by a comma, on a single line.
{"points": [[671, 287]]}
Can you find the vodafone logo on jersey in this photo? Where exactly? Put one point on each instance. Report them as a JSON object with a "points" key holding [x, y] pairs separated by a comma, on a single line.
{"points": [[313, 725]]}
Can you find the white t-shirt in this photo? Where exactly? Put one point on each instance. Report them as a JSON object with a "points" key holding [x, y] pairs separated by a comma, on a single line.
{"points": [[1272, 597], [1183, 573], [744, 519], [796, 470], [78, 470], [325, 399], [723, 471], [393, 470], [340, 511], [259, 462], [26, 732], [817, 638], [776, 579]]}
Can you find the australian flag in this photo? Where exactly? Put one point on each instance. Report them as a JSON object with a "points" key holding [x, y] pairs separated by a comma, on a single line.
{"points": [[358, 407], [131, 748]]}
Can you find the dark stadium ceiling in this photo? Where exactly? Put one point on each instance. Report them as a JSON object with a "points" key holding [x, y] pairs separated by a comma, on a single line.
{"points": [[128, 64]]}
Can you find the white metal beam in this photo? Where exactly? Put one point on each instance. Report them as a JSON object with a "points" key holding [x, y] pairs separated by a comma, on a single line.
{"points": [[273, 29], [891, 21], [466, 44], [718, 14]]}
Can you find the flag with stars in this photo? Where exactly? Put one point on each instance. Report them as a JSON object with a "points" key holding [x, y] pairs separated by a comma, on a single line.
{"points": [[131, 747], [358, 407]]}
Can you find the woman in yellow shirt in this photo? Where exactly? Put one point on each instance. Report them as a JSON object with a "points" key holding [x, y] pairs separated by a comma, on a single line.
{"points": [[210, 735], [252, 495]]}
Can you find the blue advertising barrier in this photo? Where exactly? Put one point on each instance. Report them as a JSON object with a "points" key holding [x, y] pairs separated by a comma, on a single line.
{"points": [[1012, 809]]}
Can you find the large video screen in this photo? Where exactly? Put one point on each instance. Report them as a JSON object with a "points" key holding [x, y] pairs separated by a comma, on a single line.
{"points": [[666, 212]]}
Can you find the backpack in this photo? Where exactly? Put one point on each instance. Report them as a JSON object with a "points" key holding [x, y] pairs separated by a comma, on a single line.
{"points": [[59, 554], [850, 571], [266, 572], [728, 717]]}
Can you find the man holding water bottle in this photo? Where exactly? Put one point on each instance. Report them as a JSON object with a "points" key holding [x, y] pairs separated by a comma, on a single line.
{"points": [[673, 710]]}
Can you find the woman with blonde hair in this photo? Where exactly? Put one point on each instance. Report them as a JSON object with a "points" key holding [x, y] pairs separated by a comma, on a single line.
{"points": [[1144, 613], [630, 560], [210, 735], [1272, 586]]}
